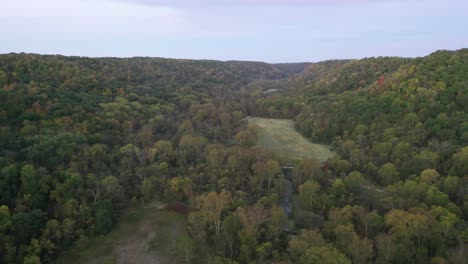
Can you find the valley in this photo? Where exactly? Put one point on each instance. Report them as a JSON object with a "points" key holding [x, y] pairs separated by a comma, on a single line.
{"points": [[341, 161]]}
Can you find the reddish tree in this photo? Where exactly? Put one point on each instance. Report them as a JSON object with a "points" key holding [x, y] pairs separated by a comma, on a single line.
{"points": [[381, 80], [178, 207]]}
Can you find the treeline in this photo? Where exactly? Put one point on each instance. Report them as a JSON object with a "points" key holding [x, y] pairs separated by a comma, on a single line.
{"points": [[82, 138]]}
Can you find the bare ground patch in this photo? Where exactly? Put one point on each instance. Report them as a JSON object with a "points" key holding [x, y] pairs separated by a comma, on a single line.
{"points": [[145, 235]]}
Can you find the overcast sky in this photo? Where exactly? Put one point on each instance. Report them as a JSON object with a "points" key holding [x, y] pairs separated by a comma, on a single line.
{"points": [[261, 30]]}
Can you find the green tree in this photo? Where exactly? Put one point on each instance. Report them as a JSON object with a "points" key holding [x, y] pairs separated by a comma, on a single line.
{"points": [[3, 78], [338, 191], [459, 161], [325, 255], [354, 181], [231, 227], [450, 185], [180, 188], [32, 181], [211, 205], [185, 248], [347, 240], [412, 232], [5, 219], [429, 176], [51, 238], [148, 188], [191, 148], [388, 174], [382, 151], [164, 150], [103, 213], [111, 189], [309, 196], [435, 197], [9, 181], [27, 225], [247, 137], [32, 259], [306, 239]]}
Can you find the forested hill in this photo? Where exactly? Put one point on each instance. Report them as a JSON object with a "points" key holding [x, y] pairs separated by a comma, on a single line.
{"points": [[23, 68], [344, 75], [83, 138]]}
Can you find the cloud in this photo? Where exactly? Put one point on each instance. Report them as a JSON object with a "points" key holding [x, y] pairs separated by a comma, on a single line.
{"points": [[36, 18], [218, 3]]}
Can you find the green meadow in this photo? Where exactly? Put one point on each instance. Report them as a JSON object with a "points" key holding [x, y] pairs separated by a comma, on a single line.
{"points": [[280, 137]]}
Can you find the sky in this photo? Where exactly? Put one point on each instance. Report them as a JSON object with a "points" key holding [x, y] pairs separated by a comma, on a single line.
{"points": [[254, 30]]}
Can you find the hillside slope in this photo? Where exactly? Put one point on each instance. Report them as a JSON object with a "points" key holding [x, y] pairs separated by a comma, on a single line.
{"points": [[81, 139]]}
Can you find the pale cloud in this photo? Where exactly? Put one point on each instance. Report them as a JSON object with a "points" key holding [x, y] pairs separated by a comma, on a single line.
{"points": [[195, 3], [88, 17], [113, 19]]}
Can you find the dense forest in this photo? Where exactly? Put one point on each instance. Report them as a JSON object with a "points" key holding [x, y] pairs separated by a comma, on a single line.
{"points": [[81, 139]]}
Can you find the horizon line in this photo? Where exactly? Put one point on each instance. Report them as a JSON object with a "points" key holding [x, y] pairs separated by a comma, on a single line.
{"points": [[221, 60]]}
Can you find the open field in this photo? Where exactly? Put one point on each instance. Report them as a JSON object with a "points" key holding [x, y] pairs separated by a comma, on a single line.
{"points": [[280, 137], [144, 235]]}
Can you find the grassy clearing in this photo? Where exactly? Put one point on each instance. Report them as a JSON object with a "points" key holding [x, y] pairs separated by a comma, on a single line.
{"points": [[280, 137], [144, 235]]}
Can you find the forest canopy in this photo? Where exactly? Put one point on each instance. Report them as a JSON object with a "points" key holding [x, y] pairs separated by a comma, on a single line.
{"points": [[81, 139]]}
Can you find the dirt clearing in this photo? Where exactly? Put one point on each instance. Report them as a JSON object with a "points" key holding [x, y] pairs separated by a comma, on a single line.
{"points": [[144, 235]]}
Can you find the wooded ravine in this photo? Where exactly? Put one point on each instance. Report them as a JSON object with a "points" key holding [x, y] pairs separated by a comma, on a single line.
{"points": [[377, 174]]}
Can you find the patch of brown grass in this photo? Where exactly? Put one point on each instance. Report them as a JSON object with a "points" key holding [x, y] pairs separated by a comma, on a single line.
{"points": [[280, 137], [144, 235]]}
